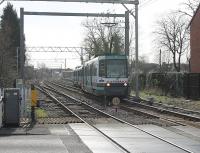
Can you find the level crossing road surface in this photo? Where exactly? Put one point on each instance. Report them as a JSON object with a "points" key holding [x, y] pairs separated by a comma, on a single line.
{"points": [[79, 138]]}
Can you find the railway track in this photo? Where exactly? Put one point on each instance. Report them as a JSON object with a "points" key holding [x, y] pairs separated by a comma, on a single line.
{"points": [[163, 114], [66, 87], [54, 114], [68, 84], [81, 110], [176, 111], [178, 117], [91, 113]]}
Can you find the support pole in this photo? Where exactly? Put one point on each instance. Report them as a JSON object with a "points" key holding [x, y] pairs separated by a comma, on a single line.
{"points": [[127, 33], [17, 52], [82, 56], [160, 60], [136, 50], [65, 64], [22, 43]]}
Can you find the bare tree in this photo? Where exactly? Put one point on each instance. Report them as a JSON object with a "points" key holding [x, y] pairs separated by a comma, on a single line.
{"points": [[190, 7], [101, 39], [172, 36]]}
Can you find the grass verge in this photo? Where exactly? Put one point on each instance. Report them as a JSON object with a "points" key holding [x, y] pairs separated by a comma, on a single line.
{"points": [[40, 113], [169, 100]]}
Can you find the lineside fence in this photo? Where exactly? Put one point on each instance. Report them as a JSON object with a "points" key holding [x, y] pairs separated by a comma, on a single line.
{"points": [[174, 84]]}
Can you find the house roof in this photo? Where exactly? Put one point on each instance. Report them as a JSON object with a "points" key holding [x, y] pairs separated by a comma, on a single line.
{"points": [[198, 8]]}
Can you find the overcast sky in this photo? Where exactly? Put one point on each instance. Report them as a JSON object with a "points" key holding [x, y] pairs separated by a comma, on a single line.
{"points": [[68, 31]]}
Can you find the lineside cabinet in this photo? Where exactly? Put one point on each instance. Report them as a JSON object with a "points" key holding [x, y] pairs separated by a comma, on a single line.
{"points": [[11, 101]]}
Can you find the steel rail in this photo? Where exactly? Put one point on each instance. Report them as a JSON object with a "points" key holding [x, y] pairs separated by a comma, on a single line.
{"points": [[61, 86], [125, 122], [151, 115], [66, 87], [165, 111], [132, 109], [89, 124], [177, 108]]}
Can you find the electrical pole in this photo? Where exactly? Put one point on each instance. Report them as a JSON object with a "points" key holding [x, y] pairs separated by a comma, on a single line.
{"points": [[65, 63], [22, 43], [82, 56], [17, 50], [160, 58], [127, 33], [136, 50]]}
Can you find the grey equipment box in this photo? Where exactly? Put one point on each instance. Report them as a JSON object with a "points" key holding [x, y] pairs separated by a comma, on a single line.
{"points": [[11, 106]]}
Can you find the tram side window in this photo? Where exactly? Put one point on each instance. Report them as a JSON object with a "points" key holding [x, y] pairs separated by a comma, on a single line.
{"points": [[81, 72], [87, 71], [102, 68], [94, 70], [91, 70]]}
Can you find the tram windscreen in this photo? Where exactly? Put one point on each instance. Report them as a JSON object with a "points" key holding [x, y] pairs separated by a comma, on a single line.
{"points": [[116, 68]]}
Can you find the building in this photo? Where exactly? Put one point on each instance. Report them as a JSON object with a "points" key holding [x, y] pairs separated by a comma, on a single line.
{"points": [[195, 42]]}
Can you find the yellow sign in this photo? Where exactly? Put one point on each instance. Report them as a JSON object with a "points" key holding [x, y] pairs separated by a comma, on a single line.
{"points": [[33, 98]]}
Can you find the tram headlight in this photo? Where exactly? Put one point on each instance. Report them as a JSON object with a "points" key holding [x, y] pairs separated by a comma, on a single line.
{"points": [[108, 84], [125, 84]]}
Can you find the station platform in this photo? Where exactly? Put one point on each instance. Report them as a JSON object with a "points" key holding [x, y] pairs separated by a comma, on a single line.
{"points": [[79, 138]]}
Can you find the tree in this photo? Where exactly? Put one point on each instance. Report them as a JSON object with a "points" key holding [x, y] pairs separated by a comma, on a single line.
{"points": [[190, 7], [172, 36], [103, 39], [9, 41], [187, 11], [10, 24]]}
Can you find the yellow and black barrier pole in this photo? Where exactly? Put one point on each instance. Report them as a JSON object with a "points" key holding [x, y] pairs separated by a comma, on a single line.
{"points": [[33, 102]]}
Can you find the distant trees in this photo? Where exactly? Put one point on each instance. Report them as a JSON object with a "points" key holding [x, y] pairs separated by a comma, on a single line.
{"points": [[103, 37], [172, 36], [9, 41]]}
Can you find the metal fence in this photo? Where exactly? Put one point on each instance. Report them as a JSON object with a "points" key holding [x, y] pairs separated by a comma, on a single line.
{"points": [[174, 84], [191, 87]]}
